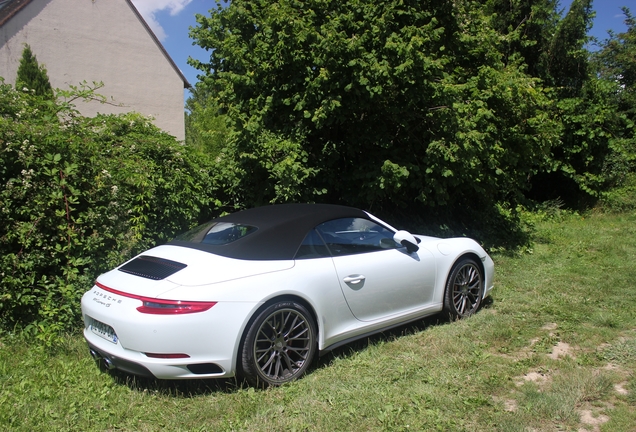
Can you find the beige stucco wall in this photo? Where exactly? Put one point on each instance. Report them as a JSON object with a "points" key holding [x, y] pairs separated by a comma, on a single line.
{"points": [[97, 40]]}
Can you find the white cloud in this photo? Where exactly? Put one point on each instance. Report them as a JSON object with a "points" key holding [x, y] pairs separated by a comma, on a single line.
{"points": [[148, 8]]}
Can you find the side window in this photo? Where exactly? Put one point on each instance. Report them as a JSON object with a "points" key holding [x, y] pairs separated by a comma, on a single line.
{"points": [[350, 236], [312, 247], [216, 233]]}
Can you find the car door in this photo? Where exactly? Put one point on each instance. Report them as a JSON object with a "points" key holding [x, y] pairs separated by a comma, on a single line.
{"points": [[378, 277]]}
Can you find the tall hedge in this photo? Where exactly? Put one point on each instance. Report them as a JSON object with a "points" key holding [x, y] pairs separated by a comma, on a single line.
{"points": [[80, 195], [397, 107]]}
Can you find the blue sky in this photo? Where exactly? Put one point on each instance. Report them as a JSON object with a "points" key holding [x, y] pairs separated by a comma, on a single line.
{"points": [[609, 15], [171, 20]]}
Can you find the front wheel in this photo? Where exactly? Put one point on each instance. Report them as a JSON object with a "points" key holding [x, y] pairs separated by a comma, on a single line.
{"points": [[464, 289], [279, 345]]}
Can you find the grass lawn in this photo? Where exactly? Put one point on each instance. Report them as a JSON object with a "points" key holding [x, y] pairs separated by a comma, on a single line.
{"points": [[553, 349]]}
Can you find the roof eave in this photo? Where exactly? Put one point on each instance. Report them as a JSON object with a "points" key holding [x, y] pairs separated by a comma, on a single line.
{"points": [[186, 84], [10, 9]]}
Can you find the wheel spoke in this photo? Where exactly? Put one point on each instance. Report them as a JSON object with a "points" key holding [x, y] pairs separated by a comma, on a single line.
{"points": [[300, 335], [291, 365], [278, 370], [300, 351], [264, 352]]}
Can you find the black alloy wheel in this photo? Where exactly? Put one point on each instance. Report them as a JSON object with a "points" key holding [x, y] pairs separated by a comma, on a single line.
{"points": [[464, 289], [279, 345]]}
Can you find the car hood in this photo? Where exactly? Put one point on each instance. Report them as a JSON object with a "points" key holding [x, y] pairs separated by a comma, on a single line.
{"points": [[201, 268]]}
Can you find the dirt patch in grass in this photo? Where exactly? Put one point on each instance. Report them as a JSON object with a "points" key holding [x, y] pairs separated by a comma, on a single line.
{"points": [[561, 349], [538, 378], [620, 388], [592, 420]]}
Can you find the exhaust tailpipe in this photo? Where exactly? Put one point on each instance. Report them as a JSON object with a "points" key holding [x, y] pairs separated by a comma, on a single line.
{"points": [[109, 364], [95, 355]]}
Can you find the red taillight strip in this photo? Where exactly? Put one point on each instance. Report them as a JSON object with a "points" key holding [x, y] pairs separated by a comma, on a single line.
{"points": [[167, 356], [160, 306]]}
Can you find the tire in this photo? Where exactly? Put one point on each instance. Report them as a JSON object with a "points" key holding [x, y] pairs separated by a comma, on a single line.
{"points": [[464, 289], [279, 345]]}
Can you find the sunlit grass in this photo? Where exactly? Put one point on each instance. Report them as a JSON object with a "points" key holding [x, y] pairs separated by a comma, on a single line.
{"points": [[553, 348]]}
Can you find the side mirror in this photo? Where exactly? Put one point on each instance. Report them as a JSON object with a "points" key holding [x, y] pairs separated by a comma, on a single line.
{"points": [[407, 240]]}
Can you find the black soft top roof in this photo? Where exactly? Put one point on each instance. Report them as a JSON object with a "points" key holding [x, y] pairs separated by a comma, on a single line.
{"points": [[281, 229]]}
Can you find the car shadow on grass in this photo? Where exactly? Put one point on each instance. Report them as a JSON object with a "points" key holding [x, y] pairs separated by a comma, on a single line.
{"points": [[353, 347], [413, 327], [177, 388], [202, 387]]}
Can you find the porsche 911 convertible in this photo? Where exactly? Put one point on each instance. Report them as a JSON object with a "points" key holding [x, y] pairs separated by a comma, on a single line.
{"points": [[259, 293]]}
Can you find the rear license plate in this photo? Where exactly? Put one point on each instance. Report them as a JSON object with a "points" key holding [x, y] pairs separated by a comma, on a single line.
{"points": [[103, 330]]}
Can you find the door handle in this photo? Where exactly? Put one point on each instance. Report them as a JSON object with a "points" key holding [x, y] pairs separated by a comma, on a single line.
{"points": [[354, 279]]}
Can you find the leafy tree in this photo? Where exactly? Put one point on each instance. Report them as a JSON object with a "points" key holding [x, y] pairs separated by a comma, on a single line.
{"points": [[616, 61], [567, 68], [594, 152], [381, 104], [615, 64], [206, 127], [528, 28], [33, 76], [552, 47], [577, 171]]}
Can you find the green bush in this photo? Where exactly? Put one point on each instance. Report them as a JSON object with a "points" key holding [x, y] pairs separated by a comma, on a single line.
{"points": [[81, 195]]}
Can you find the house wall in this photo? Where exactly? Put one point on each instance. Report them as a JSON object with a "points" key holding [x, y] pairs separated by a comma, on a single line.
{"points": [[97, 40]]}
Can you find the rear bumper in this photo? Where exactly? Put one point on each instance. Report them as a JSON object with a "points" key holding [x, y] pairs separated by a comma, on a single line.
{"points": [[112, 362], [209, 340], [112, 357]]}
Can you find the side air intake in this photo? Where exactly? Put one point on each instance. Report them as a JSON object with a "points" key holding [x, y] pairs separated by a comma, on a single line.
{"points": [[150, 267]]}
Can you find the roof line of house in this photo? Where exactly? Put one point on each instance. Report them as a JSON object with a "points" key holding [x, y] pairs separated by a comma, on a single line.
{"points": [[8, 8], [186, 84]]}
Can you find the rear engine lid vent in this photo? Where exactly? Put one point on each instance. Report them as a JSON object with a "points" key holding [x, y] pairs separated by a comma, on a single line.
{"points": [[150, 267]]}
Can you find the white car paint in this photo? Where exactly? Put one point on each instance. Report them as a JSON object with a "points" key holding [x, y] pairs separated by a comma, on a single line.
{"points": [[396, 287], [373, 293]]}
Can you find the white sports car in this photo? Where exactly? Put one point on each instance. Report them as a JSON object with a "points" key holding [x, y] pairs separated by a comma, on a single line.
{"points": [[259, 292]]}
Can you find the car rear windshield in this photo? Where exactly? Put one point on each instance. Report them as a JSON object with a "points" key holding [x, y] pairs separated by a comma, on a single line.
{"points": [[217, 233]]}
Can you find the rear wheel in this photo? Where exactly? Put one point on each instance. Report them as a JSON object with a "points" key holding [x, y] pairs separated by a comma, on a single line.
{"points": [[464, 289], [279, 345]]}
